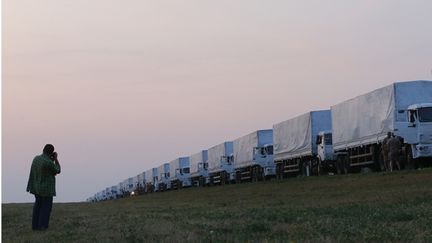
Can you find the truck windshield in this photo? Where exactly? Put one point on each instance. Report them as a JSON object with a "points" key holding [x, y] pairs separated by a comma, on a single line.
{"points": [[328, 139], [259, 150], [227, 159], [269, 150], [425, 114], [186, 170]]}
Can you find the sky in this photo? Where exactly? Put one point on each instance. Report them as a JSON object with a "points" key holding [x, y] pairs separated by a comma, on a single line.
{"points": [[120, 87]]}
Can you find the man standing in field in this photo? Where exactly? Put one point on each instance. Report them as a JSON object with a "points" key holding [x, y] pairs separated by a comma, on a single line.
{"points": [[41, 183], [394, 146], [385, 151]]}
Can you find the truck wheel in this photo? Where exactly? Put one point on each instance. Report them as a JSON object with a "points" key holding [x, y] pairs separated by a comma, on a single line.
{"points": [[319, 167], [346, 165], [238, 177], [339, 165], [411, 162], [381, 162], [278, 171], [261, 176]]}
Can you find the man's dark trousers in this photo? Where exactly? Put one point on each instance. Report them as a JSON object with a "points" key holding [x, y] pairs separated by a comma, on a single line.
{"points": [[41, 212]]}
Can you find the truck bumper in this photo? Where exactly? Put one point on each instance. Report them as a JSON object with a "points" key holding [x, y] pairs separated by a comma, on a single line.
{"points": [[423, 150], [186, 183], [270, 171]]}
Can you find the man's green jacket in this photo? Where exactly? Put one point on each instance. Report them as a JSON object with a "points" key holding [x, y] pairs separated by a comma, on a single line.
{"points": [[42, 176]]}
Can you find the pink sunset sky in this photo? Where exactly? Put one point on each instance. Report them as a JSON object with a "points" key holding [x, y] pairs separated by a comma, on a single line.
{"points": [[123, 86]]}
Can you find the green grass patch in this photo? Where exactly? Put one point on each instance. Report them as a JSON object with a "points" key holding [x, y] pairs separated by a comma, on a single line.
{"points": [[376, 207]]}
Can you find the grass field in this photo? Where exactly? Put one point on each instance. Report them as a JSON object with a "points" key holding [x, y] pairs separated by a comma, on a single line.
{"points": [[373, 207]]}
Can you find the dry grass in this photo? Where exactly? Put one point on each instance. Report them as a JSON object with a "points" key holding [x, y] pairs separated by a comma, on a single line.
{"points": [[374, 207]]}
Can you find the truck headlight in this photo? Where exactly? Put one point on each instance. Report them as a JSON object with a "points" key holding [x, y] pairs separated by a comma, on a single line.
{"points": [[423, 148]]}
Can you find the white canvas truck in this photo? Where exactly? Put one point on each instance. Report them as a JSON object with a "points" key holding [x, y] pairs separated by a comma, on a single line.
{"points": [[120, 190], [148, 181], [114, 192], [107, 193], [141, 183], [130, 185], [154, 180], [125, 188], [180, 173], [294, 141], [361, 124], [135, 184], [221, 164], [199, 168], [164, 182], [99, 196], [253, 156]]}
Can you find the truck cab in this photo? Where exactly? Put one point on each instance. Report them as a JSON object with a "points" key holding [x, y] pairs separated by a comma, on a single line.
{"points": [[130, 185], [114, 192], [325, 146], [264, 157], [164, 179], [183, 175], [419, 130], [164, 182], [203, 167], [227, 164], [154, 180], [107, 194]]}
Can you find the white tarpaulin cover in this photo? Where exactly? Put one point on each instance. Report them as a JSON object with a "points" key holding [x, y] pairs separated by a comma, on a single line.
{"points": [[244, 146], [179, 163], [215, 153], [297, 136], [367, 118], [197, 158]]}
